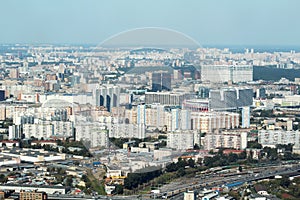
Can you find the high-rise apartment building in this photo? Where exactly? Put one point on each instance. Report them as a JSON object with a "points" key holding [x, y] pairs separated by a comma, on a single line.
{"points": [[181, 120], [235, 139], [108, 96], [245, 117], [206, 122], [92, 134], [181, 140], [164, 98]]}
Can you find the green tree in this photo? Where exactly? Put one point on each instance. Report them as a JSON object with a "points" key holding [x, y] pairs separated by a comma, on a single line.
{"points": [[254, 145], [181, 163], [3, 178], [172, 167], [242, 155], [191, 163], [285, 182], [180, 172], [118, 190], [68, 181], [232, 157]]}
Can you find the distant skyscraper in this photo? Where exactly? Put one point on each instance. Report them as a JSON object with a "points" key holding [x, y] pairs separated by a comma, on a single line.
{"points": [[2, 95], [161, 81], [14, 73], [261, 93], [177, 75]]}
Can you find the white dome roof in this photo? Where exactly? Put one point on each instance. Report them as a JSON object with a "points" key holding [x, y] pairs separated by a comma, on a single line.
{"points": [[56, 103]]}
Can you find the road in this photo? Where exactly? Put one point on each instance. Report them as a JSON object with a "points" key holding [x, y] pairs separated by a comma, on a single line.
{"points": [[211, 182]]}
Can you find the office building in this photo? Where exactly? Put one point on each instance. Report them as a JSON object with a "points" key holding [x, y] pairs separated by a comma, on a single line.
{"points": [[261, 93], [203, 92], [161, 81], [230, 98], [2, 95]]}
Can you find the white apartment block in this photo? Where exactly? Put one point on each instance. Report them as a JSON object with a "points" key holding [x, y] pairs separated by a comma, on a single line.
{"points": [[131, 115], [123, 130], [93, 134], [14, 132], [181, 119], [64, 129], [39, 130], [123, 127], [182, 140], [273, 137], [225, 73], [206, 122], [226, 139], [155, 116]]}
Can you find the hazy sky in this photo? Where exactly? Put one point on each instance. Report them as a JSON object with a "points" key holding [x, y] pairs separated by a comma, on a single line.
{"points": [[241, 22]]}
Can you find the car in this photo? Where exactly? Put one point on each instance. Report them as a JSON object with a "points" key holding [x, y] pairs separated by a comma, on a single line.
{"points": [[164, 196]]}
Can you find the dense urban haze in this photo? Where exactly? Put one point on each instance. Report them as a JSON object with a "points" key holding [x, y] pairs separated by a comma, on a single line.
{"points": [[149, 100], [208, 22]]}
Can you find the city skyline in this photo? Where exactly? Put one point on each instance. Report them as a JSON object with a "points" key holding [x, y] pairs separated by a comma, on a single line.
{"points": [[179, 100], [209, 23]]}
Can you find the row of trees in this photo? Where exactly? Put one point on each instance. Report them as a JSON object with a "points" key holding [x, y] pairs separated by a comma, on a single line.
{"points": [[65, 144], [133, 180], [221, 159], [180, 165], [120, 141]]}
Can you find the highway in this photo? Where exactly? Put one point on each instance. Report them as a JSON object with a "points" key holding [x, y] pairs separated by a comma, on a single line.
{"points": [[214, 181]]}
